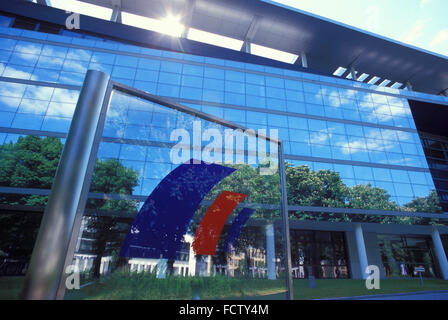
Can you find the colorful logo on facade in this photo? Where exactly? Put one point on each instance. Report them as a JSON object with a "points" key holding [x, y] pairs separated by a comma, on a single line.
{"points": [[158, 229]]}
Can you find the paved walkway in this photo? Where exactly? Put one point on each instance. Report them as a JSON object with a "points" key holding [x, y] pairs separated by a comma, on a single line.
{"points": [[423, 295]]}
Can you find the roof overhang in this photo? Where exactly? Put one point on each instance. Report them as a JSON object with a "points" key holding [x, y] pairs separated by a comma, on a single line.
{"points": [[328, 44]]}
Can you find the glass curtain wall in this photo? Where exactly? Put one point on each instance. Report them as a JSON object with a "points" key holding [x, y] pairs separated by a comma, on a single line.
{"points": [[402, 254], [321, 254], [347, 144], [179, 205], [34, 121]]}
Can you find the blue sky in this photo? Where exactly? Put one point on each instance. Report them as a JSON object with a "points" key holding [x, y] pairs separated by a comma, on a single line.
{"points": [[421, 23]]}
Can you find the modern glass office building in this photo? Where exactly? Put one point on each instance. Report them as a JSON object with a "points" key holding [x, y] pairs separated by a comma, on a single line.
{"points": [[358, 175]]}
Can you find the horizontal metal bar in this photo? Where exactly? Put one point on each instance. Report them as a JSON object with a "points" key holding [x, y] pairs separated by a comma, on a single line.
{"points": [[293, 114], [31, 132], [40, 83], [355, 163]]}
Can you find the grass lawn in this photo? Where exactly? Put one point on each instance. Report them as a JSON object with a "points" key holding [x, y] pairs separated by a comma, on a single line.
{"points": [[145, 286], [10, 287]]}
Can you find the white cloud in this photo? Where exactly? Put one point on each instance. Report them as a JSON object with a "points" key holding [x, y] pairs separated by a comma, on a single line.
{"points": [[423, 3], [441, 37], [372, 18], [415, 32]]}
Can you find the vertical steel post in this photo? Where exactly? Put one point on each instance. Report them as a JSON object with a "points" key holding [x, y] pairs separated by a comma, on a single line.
{"points": [[49, 254], [353, 73], [285, 220], [304, 60]]}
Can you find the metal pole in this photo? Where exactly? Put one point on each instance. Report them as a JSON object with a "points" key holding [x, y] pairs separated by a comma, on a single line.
{"points": [[353, 73], [304, 60], [47, 261], [285, 219], [84, 193]]}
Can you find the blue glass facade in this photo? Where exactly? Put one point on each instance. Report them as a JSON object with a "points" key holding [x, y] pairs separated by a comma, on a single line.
{"points": [[354, 160], [359, 131]]}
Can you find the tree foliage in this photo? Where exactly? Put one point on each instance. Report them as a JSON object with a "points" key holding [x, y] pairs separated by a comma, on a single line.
{"points": [[31, 162]]}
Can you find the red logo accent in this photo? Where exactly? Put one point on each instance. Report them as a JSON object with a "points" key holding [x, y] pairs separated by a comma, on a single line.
{"points": [[209, 230]]}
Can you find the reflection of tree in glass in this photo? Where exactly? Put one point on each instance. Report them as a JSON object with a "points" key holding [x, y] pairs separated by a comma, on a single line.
{"points": [[108, 231], [264, 189], [325, 188], [31, 162]]}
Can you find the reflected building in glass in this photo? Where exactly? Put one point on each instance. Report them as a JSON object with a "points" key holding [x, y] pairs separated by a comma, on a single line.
{"points": [[365, 143]]}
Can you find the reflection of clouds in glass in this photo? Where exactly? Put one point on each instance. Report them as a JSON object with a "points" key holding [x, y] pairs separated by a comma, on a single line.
{"points": [[382, 109], [402, 161], [320, 137], [61, 109], [65, 95], [28, 47], [54, 51], [79, 54], [33, 106], [12, 89], [405, 136], [358, 144], [75, 66], [38, 92], [12, 72], [396, 111], [330, 96], [347, 94], [36, 99]]}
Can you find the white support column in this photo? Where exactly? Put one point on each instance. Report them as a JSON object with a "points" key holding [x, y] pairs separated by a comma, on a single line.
{"points": [[304, 60], [209, 266], [270, 251], [440, 253], [409, 86], [361, 247], [161, 268]]}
